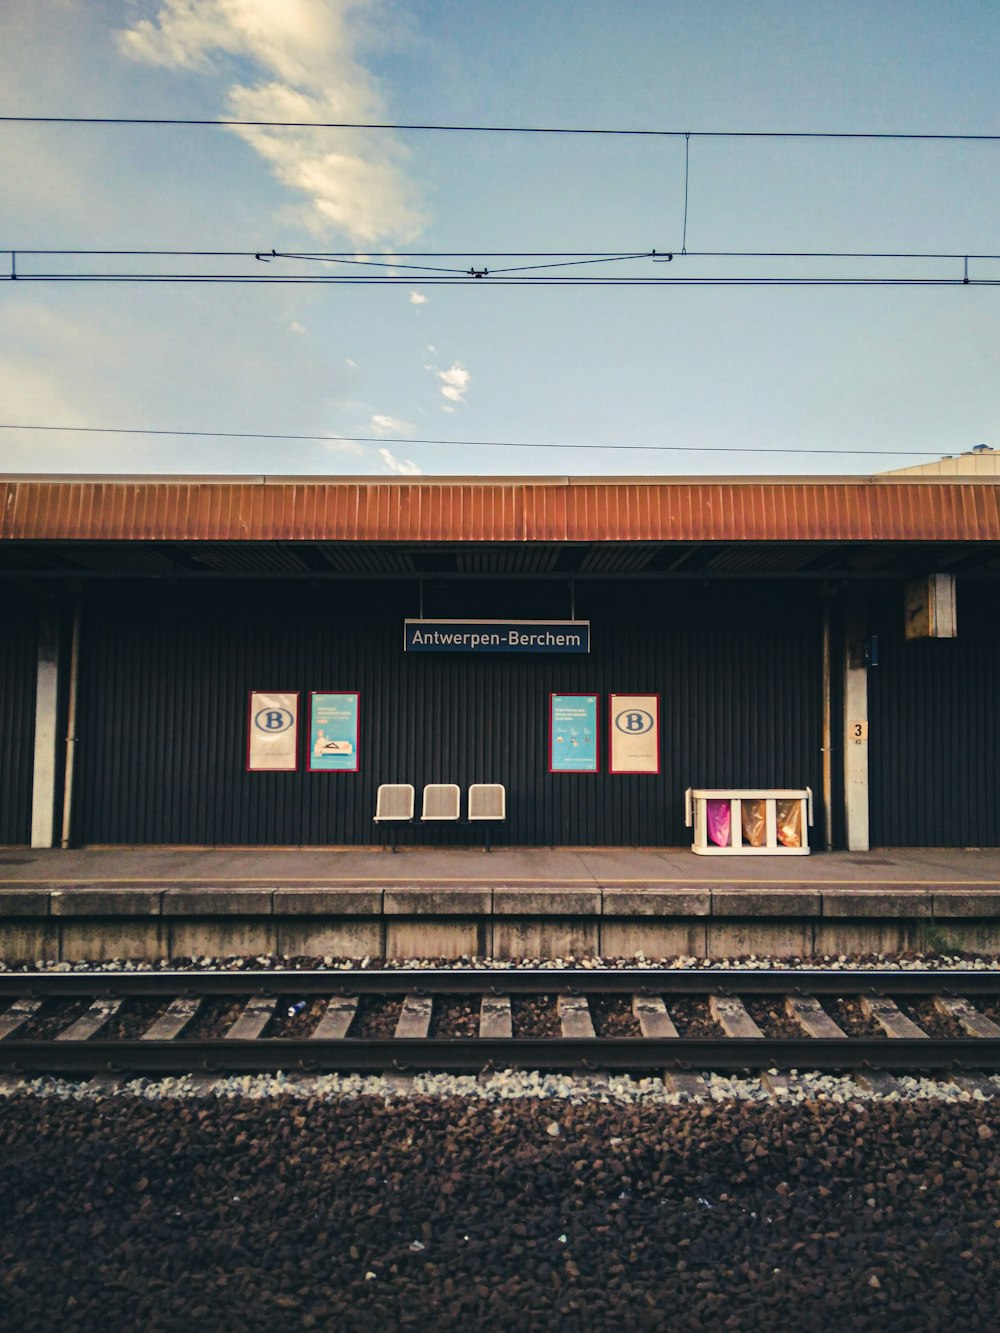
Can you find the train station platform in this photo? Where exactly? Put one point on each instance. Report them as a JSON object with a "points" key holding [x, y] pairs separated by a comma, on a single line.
{"points": [[515, 902]]}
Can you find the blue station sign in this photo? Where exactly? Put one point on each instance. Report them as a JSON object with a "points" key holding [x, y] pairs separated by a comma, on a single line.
{"points": [[496, 636]]}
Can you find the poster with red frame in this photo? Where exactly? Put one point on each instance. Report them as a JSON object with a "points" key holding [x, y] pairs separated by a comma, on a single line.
{"points": [[273, 732], [573, 733], [634, 733]]}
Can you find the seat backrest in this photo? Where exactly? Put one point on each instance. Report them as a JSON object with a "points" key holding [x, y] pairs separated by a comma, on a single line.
{"points": [[441, 801], [395, 801], [487, 800]]}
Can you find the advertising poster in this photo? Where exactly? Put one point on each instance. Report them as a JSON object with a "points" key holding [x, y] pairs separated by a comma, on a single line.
{"points": [[573, 733], [272, 732], [635, 733], [333, 733]]}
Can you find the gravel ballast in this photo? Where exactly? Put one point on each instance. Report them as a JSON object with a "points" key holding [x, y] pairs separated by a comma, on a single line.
{"points": [[513, 1200], [916, 962], [438, 1211]]}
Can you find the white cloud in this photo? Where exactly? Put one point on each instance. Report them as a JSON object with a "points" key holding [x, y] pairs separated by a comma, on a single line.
{"points": [[352, 363], [298, 39], [296, 327], [405, 467], [456, 382], [417, 298], [305, 52], [386, 425]]}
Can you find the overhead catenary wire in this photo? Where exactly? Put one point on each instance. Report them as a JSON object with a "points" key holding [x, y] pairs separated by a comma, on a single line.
{"points": [[556, 260], [196, 122], [478, 274], [360, 256], [484, 269], [407, 267], [303, 437], [229, 279]]}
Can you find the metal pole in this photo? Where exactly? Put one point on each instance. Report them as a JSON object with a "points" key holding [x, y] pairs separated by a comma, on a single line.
{"points": [[827, 734], [74, 678], [43, 773]]}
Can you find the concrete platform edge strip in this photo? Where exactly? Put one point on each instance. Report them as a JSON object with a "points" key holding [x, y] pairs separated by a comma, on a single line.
{"points": [[68, 900], [444, 926]]}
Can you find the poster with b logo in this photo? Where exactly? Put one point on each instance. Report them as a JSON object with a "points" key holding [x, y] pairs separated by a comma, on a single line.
{"points": [[635, 733], [272, 733]]}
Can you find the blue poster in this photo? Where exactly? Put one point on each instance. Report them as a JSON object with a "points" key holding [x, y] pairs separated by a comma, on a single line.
{"points": [[333, 733], [573, 733]]}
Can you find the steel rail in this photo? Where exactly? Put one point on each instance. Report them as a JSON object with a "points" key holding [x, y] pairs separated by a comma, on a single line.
{"points": [[475, 1054], [513, 981]]}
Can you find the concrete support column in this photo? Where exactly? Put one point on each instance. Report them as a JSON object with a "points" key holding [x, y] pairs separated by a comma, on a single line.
{"points": [[43, 792], [856, 737]]}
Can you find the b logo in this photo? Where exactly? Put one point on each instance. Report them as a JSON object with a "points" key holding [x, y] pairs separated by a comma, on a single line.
{"points": [[273, 720], [634, 722]]}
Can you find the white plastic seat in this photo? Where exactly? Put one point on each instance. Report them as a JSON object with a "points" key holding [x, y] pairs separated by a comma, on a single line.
{"points": [[487, 800], [394, 803], [442, 801]]}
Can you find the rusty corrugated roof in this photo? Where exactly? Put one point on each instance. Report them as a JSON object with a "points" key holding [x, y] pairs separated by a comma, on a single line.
{"points": [[186, 509]]}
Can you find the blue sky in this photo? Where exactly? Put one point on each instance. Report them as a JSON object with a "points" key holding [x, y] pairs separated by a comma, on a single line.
{"points": [[708, 380]]}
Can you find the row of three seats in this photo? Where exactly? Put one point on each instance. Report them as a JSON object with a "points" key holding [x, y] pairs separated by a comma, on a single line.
{"points": [[442, 803]]}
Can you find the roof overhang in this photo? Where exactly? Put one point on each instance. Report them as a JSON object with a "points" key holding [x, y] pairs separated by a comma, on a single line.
{"points": [[505, 510], [453, 528]]}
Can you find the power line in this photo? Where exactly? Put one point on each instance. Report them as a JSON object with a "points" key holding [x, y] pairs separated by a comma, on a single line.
{"points": [[408, 126], [464, 444], [554, 261], [361, 255], [389, 256], [500, 280], [496, 267]]}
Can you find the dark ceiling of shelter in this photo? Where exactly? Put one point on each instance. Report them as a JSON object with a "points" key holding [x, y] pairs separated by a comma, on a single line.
{"points": [[532, 560]]}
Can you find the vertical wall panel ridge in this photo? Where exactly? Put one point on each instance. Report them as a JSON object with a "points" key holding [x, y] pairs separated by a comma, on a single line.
{"points": [[934, 734], [18, 663], [166, 675]]}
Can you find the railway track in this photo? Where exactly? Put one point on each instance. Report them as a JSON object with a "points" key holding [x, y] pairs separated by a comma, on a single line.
{"points": [[390, 1021]]}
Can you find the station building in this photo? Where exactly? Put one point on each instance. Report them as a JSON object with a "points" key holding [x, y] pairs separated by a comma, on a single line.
{"points": [[244, 661]]}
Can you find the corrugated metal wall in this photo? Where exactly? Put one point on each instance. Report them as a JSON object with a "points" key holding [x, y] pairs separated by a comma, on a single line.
{"points": [[934, 734], [165, 678], [18, 653]]}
